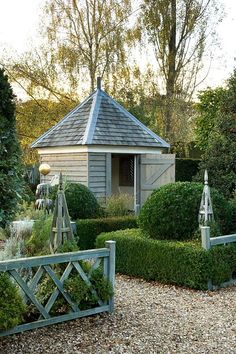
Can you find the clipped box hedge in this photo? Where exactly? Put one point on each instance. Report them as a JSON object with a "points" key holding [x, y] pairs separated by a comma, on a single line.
{"points": [[89, 229], [170, 262]]}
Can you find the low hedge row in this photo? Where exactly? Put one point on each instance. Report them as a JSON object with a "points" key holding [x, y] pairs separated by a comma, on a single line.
{"points": [[89, 229], [181, 263]]}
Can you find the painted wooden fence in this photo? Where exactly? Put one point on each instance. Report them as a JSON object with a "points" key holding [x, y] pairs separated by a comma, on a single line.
{"points": [[208, 241], [40, 266]]}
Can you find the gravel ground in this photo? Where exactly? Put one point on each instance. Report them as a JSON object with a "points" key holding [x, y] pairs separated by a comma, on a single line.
{"points": [[149, 318]]}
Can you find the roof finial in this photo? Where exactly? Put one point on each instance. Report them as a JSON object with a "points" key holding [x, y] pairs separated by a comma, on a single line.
{"points": [[99, 83]]}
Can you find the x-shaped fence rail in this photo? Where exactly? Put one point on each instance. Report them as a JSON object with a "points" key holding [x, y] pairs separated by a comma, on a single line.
{"points": [[38, 267]]}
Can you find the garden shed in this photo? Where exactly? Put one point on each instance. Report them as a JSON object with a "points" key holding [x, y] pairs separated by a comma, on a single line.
{"points": [[101, 145]]}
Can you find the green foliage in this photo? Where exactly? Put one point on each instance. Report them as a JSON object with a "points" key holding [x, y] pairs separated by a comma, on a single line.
{"points": [[180, 263], [10, 167], [12, 307], [185, 169], [171, 212], [84, 295], [81, 202], [118, 205], [68, 246], [88, 230], [216, 128], [210, 101], [38, 244], [34, 117]]}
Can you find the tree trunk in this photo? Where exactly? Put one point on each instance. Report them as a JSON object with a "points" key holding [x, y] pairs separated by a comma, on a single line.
{"points": [[171, 72]]}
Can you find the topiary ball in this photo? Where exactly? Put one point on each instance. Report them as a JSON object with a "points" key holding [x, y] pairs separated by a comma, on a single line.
{"points": [[81, 202], [171, 212]]}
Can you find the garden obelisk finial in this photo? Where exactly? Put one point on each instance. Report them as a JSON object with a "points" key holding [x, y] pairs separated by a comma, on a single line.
{"points": [[206, 211]]}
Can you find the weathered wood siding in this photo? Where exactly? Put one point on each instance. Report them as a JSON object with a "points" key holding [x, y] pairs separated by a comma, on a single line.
{"points": [[156, 170], [97, 180], [74, 166]]}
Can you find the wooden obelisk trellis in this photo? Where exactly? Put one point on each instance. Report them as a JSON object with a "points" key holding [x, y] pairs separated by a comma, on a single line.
{"points": [[206, 211], [61, 227]]}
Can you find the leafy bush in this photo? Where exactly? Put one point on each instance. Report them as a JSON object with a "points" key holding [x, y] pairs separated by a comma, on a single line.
{"points": [[118, 205], [80, 292], [13, 248], [81, 202], [87, 230], [171, 262], [12, 307], [38, 244], [171, 212]]}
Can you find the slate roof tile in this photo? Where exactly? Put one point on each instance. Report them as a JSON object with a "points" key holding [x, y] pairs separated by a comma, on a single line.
{"points": [[99, 120]]}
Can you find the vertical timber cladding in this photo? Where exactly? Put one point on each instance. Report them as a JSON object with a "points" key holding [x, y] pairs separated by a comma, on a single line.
{"points": [[99, 172], [156, 170], [73, 166]]}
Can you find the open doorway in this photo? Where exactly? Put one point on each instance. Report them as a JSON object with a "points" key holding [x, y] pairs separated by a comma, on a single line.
{"points": [[123, 176]]}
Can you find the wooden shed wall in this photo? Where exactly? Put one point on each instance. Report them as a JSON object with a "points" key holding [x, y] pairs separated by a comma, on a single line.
{"points": [[97, 170], [74, 166]]}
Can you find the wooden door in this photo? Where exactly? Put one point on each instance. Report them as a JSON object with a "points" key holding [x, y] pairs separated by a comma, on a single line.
{"points": [[155, 171]]}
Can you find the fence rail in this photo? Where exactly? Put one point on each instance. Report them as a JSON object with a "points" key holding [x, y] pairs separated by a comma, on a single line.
{"points": [[46, 265], [208, 241]]}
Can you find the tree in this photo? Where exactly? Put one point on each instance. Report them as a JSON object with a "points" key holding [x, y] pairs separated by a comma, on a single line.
{"points": [[210, 102], [89, 35], [178, 32], [33, 118], [219, 156], [10, 167], [82, 40]]}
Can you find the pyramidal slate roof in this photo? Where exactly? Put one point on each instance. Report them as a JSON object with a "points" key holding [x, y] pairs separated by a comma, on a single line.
{"points": [[99, 120]]}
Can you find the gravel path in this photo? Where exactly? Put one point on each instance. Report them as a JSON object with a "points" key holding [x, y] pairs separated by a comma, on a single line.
{"points": [[149, 318]]}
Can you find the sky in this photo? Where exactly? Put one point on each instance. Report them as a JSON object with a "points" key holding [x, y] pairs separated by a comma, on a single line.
{"points": [[19, 20]]}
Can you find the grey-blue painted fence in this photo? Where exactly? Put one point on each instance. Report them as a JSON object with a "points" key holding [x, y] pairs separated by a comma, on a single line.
{"points": [[208, 242], [43, 265]]}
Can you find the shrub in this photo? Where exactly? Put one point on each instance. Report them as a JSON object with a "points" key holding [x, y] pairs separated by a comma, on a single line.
{"points": [[171, 262], [81, 202], [79, 291], [118, 205], [171, 212], [89, 229], [12, 307], [13, 248], [38, 244]]}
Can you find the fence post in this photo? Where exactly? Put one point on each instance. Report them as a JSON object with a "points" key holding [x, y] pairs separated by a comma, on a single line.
{"points": [[111, 267], [205, 233]]}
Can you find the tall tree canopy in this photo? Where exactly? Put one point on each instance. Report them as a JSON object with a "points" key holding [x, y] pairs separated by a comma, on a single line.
{"points": [[219, 136], [178, 31], [81, 40], [10, 167]]}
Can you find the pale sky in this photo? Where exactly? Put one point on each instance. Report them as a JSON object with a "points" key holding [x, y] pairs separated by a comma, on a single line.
{"points": [[19, 20]]}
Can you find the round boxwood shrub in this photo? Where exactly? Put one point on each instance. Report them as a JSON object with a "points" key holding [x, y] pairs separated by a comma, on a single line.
{"points": [[81, 202], [171, 212], [12, 307]]}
